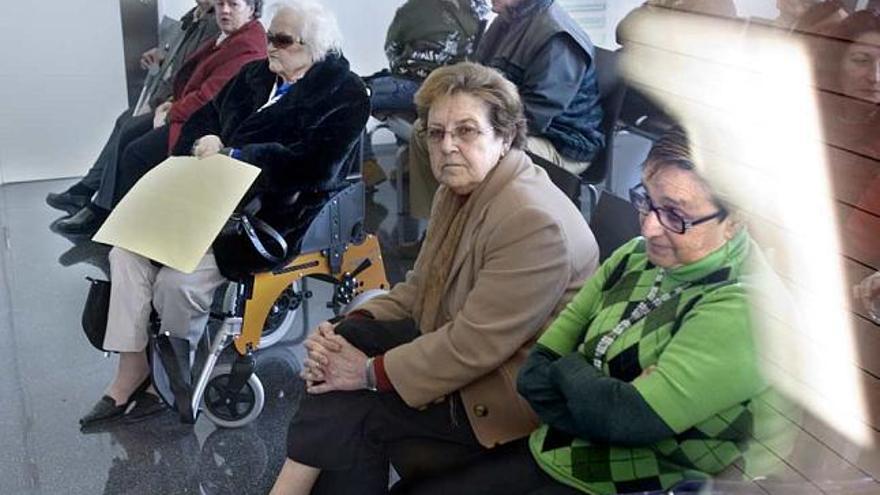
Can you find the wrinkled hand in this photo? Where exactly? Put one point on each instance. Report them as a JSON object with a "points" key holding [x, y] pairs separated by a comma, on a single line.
{"points": [[315, 345], [150, 57], [206, 146], [160, 115], [333, 363], [868, 293]]}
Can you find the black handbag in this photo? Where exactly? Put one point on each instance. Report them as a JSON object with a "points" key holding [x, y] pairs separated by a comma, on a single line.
{"points": [[248, 245], [94, 316]]}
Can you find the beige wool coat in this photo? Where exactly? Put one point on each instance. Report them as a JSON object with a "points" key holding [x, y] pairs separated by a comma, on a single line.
{"points": [[525, 251]]}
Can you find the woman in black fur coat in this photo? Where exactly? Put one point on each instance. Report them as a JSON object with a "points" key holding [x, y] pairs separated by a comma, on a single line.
{"points": [[298, 116]]}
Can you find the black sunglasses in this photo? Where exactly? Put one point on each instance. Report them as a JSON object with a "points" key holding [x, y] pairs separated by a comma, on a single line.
{"points": [[669, 219], [281, 40]]}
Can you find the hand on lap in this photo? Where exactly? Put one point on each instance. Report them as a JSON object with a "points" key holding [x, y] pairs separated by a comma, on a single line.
{"points": [[334, 362]]}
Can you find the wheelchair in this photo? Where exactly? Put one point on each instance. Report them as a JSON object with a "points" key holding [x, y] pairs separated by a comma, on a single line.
{"points": [[334, 249]]}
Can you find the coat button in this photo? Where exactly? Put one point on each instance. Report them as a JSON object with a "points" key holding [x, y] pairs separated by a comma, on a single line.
{"points": [[480, 410]]}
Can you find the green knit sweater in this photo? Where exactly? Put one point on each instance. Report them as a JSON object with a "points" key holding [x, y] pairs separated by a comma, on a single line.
{"points": [[706, 386]]}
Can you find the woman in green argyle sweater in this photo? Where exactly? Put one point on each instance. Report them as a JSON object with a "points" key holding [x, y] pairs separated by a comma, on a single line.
{"points": [[649, 377]]}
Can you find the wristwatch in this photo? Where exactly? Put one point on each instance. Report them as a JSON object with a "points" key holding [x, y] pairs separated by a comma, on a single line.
{"points": [[371, 376]]}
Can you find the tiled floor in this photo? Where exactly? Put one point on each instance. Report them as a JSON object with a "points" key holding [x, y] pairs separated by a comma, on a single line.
{"points": [[50, 376]]}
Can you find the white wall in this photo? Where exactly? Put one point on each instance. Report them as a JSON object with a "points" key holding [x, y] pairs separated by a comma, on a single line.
{"points": [[62, 84]]}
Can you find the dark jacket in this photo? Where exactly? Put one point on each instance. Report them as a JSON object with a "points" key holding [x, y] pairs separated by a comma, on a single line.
{"points": [[193, 33], [305, 143], [203, 75], [426, 34], [542, 50]]}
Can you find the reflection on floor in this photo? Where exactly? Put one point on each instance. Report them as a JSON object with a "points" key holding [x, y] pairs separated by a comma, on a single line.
{"points": [[50, 376]]}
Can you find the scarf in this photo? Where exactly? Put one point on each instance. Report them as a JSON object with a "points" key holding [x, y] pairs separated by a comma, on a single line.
{"points": [[449, 217]]}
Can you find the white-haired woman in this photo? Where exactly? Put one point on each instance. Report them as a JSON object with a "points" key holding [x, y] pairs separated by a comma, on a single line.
{"points": [[298, 116]]}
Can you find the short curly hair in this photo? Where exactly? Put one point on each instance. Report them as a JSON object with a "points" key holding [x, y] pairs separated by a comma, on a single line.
{"points": [[319, 29], [487, 84]]}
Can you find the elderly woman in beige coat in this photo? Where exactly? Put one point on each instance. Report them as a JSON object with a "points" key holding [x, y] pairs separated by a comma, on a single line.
{"points": [[424, 376]]}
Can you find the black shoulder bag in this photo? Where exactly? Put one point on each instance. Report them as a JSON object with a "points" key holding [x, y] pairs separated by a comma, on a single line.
{"points": [[248, 245], [94, 316]]}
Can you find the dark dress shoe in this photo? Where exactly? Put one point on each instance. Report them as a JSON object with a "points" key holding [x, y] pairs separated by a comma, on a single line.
{"points": [[146, 405], [86, 221], [67, 202], [105, 410], [89, 252]]}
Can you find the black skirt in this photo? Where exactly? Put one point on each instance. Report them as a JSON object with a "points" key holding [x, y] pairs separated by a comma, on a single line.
{"points": [[352, 436]]}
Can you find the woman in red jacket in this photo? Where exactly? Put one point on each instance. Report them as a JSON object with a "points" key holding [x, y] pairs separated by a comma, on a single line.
{"points": [[242, 39]]}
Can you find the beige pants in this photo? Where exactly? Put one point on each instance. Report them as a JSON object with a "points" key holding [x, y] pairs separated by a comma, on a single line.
{"points": [[423, 184], [182, 300]]}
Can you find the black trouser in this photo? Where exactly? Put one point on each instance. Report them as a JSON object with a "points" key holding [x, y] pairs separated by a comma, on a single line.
{"points": [[352, 436], [138, 158], [126, 130], [505, 470]]}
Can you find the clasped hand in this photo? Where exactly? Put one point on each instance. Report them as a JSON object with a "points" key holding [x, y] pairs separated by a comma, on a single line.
{"points": [[333, 363]]}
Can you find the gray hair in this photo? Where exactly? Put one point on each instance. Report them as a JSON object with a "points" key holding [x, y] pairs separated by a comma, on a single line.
{"points": [[319, 29]]}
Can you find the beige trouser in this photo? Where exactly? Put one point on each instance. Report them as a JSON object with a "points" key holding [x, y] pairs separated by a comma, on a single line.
{"points": [[422, 183], [182, 300]]}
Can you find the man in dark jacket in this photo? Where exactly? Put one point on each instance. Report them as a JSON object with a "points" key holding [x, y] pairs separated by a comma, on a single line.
{"points": [[198, 25], [541, 49]]}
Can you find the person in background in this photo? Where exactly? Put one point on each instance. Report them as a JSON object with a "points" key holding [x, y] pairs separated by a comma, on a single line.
{"points": [[302, 161], [242, 39], [848, 72], [545, 53], [424, 35], [422, 376], [198, 26], [848, 65]]}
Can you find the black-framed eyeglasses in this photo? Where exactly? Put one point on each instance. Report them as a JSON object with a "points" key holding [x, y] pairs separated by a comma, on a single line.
{"points": [[464, 133], [669, 219], [282, 40]]}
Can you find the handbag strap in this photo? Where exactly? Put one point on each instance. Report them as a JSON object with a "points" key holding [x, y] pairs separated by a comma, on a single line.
{"points": [[251, 226]]}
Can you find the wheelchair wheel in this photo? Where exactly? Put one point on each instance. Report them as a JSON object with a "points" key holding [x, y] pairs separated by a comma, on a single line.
{"points": [[281, 317], [216, 403]]}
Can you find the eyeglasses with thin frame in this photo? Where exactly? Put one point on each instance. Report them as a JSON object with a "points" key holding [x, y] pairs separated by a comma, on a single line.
{"points": [[464, 133], [669, 219], [282, 40]]}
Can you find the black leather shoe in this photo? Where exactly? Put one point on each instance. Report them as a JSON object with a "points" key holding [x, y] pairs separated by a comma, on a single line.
{"points": [[85, 222], [146, 405], [67, 202], [105, 410]]}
